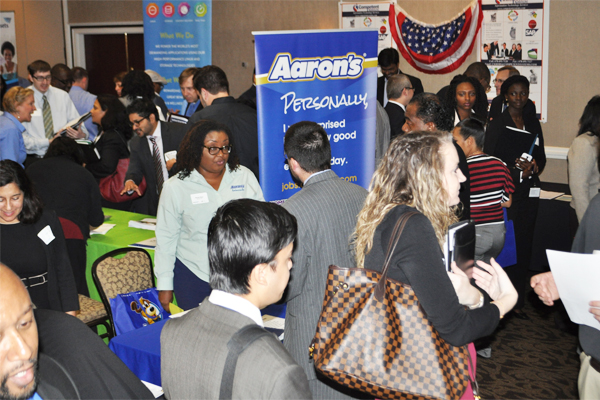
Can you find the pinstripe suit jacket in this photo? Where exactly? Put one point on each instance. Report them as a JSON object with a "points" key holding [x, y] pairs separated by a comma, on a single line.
{"points": [[326, 209]]}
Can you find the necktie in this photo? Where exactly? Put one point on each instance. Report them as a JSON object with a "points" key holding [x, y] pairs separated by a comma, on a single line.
{"points": [[47, 113], [160, 179]]}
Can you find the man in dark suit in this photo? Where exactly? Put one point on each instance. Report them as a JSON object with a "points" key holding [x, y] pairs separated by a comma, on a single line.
{"points": [[518, 54], [250, 246], [399, 93], [212, 85], [154, 137], [249, 96], [326, 209], [53, 355], [389, 62]]}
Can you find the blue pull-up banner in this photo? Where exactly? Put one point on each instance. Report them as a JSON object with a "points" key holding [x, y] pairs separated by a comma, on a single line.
{"points": [[177, 35], [329, 77]]}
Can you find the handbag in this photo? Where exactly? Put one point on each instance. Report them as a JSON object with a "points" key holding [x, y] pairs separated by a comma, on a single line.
{"points": [[135, 310], [373, 336], [111, 186]]}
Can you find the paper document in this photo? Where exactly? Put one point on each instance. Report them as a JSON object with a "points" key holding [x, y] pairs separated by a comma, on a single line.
{"points": [[156, 391], [145, 244], [577, 278], [546, 195], [146, 223], [273, 322], [102, 229]]}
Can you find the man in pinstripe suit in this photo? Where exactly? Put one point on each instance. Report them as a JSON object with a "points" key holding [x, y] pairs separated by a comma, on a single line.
{"points": [[326, 209]]}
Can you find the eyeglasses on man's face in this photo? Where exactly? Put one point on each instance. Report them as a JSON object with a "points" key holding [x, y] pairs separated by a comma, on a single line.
{"points": [[138, 122], [215, 150], [39, 78]]}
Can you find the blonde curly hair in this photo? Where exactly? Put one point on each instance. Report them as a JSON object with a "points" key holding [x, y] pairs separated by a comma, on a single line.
{"points": [[410, 173]]}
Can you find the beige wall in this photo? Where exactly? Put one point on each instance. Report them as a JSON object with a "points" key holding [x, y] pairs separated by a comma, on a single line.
{"points": [[573, 53], [39, 31]]}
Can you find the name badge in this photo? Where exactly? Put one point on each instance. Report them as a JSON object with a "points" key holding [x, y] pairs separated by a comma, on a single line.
{"points": [[537, 141], [46, 235], [535, 192], [199, 198]]}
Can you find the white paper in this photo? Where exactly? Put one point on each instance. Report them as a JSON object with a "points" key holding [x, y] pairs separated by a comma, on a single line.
{"points": [[577, 278], [170, 154], [156, 391], [46, 235], [102, 229], [145, 244], [146, 223], [273, 322], [547, 195]]}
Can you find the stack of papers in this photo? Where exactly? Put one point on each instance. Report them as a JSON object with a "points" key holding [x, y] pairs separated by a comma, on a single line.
{"points": [[102, 229], [145, 244], [146, 223]]}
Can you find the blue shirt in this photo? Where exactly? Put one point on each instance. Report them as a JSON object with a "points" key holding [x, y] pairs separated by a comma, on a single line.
{"points": [[12, 146], [84, 102], [191, 108]]}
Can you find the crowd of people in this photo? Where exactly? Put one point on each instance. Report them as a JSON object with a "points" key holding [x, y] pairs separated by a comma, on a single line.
{"points": [[441, 157]]}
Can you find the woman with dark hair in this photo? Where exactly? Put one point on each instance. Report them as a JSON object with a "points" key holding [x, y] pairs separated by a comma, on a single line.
{"points": [[584, 174], [72, 192], [9, 68], [517, 139], [138, 85], [118, 80], [114, 132], [419, 174], [210, 176], [467, 98], [32, 243]]}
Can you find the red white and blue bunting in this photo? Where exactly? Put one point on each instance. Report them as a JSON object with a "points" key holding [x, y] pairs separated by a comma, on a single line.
{"points": [[436, 49]]}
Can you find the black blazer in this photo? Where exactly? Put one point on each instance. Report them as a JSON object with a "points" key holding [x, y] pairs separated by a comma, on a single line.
{"points": [[141, 164], [396, 114], [414, 81], [112, 147]]}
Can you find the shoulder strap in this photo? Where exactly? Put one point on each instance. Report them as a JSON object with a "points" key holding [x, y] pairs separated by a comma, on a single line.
{"points": [[236, 345], [398, 228]]}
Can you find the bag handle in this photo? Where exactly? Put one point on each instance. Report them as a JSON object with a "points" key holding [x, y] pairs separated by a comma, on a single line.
{"points": [[394, 239]]}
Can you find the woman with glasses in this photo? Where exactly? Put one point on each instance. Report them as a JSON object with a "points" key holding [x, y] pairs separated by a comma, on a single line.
{"points": [[210, 175]]}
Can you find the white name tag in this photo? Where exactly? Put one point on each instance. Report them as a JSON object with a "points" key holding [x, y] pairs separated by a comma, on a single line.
{"points": [[46, 235], [199, 198], [534, 192], [537, 141]]}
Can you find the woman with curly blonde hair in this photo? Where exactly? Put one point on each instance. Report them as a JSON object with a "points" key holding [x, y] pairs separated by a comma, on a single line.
{"points": [[420, 173]]}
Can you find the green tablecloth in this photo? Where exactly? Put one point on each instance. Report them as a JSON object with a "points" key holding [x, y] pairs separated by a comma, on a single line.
{"points": [[119, 236]]}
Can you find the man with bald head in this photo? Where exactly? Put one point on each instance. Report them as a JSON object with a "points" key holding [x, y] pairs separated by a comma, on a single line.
{"points": [[47, 354]]}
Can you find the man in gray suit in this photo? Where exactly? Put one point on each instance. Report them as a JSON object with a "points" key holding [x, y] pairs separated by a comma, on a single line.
{"points": [[152, 135], [250, 247], [326, 209]]}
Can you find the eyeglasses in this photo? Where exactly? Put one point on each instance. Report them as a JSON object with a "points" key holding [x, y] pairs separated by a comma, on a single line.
{"points": [[499, 81], [215, 150], [42, 78], [134, 123]]}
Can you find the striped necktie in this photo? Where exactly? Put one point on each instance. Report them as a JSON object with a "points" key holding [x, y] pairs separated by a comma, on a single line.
{"points": [[47, 113], [160, 179]]}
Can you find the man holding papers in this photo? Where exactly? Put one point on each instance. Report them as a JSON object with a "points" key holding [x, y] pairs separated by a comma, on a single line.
{"points": [[586, 241]]}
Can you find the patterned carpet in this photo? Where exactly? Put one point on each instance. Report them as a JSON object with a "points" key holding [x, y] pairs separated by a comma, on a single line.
{"points": [[530, 359]]}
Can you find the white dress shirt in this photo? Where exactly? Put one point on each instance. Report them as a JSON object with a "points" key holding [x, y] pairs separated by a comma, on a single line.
{"points": [[63, 111], [158, 135], [237, 304]]}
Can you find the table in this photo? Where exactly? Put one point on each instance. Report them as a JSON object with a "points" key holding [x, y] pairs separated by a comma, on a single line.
{"points": [[119, 236]]}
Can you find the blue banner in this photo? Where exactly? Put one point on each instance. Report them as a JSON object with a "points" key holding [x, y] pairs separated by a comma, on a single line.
{"points": [[329, 77], [177, 35]]}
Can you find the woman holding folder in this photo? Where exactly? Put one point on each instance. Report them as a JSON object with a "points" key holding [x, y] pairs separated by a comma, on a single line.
{"points": [[517, 139]]}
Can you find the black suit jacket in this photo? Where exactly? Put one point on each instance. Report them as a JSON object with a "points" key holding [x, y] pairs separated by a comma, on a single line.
{"points": [[396, 114], [496, 108], [414, 82], [243, 124], [141, 164]]}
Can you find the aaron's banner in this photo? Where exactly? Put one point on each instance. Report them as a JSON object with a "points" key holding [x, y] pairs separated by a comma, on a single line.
{"points": [[177, 35], [329, 77]]}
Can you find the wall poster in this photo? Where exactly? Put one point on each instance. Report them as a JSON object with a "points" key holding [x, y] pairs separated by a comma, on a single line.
{"points": [[368, 15], [515, 32], [8, 43]]}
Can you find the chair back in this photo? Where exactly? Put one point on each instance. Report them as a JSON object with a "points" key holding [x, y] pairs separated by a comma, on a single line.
{"points": [[114, 276]]}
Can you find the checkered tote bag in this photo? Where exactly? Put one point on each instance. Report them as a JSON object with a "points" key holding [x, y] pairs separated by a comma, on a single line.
{"points": [[373, 336]]}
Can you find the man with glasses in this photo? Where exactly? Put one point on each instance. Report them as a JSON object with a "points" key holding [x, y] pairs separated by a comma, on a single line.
{"points": [[399, 93], [153, 150], [213, 88], [54, 109]]}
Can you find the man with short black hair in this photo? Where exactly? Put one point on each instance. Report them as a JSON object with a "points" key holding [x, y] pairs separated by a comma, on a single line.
{"points": [[250, 246], [54, 110], [62, 77], [83, 100], [46, 354], [426, 112], [213, 87], [326, 208], [389, 62], [399, 93], [152, 141]]}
